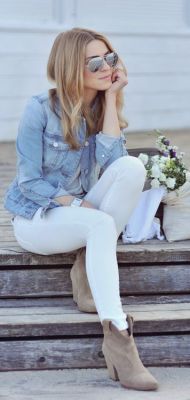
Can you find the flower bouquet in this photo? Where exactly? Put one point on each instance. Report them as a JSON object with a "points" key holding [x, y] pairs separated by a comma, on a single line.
{"points": [[168, 170]]}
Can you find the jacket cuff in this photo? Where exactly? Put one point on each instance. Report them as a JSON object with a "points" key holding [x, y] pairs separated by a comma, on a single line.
{"points": [[106, 140], [61, 192], [109, 148]]}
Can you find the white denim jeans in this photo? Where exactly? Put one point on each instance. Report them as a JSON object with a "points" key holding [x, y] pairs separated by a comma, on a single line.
{"points": [[66, 228]]}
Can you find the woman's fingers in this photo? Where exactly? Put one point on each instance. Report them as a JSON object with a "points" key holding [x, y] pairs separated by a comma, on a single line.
{"points": [[119, 80]]}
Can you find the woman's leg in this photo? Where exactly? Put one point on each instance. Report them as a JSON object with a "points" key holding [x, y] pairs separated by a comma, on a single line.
{"points": [[64, 229], [116, 193], [118, 190]]}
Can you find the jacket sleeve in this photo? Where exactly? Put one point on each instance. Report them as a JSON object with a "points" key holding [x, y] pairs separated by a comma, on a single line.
{"points": [[29, 147], [109, 148]]}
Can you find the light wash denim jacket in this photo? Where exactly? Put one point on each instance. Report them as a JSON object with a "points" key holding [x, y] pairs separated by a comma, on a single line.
{"points": [[46, 164]]}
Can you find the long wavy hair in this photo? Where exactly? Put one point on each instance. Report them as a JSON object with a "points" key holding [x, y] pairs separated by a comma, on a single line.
{"points": [[65, 69]]}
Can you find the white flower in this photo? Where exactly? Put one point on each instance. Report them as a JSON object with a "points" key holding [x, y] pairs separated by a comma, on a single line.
{"points": [[162, 177], [187, 173], [159, 139], [155, 183], [161, 166], [170, 182], [155, 158], [155, 171], [143, 157], [163, 159]]}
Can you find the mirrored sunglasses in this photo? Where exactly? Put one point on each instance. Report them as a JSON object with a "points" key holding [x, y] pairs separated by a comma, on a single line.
{"points": [[96, 63]]}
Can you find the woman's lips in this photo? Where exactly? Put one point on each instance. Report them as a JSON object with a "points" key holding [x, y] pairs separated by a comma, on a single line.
{"points": [[106, 77]]}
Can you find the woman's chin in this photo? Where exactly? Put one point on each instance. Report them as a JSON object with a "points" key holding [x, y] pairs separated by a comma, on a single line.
{"points": [[105, 85]]}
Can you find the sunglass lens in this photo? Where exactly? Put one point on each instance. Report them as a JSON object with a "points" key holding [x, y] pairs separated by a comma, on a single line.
{"points": [[94, 65], [112, 59], [97, 62]]}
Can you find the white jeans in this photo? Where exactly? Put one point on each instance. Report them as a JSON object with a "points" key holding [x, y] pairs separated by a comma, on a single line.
{"points": [[66, 228]]}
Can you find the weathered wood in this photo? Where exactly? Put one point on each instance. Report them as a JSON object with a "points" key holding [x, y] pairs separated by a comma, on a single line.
{"points": [[67, 302], [137, 279], [150, 251], [55, 321], [87, 352], [151, 151]]}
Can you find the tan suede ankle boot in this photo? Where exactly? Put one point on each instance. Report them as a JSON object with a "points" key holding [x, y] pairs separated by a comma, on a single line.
{"points": [[123, 360], [81, 290]]}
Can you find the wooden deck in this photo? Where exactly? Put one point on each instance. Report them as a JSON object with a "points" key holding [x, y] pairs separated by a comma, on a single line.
{"points": [[42, 328]]}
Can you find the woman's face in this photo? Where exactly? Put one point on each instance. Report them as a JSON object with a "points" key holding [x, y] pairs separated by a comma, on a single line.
{"points": [[99, 80]]}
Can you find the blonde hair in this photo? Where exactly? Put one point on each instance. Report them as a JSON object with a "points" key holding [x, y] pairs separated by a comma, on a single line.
{"points": [[66, 69]]}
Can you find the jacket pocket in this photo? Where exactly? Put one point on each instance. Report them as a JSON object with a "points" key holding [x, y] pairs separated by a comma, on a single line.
{"points": [[55, 151]]}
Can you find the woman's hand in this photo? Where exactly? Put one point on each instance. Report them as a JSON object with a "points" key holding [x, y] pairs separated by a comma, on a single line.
{"points": [[67, 200], [119, 80], [87, 204]]}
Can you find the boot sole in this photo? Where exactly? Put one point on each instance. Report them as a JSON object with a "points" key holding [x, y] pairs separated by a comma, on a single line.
{"points": [[114, 375]]}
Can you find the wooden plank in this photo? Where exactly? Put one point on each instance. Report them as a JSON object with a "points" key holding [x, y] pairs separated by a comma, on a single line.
{"points": [[9, 237], [150, 251], [54, 321], [142, 308], [87, 352], [5, 220], [67, 303], [136, 279]]}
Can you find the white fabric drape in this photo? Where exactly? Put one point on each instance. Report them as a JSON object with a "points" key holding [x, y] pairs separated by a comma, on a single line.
{"points": [[143, 224]]}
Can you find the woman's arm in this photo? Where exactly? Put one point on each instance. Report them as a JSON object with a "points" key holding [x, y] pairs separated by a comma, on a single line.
{"points": [[111, 124], [29, 146], [110, 142]]}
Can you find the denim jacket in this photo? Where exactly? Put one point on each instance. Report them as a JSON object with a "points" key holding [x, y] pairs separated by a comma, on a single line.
{"points": [[46, 164]]}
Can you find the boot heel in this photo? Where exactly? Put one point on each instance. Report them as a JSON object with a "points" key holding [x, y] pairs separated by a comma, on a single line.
{"points": [[75, 298], [74, 289], [111, 369]]}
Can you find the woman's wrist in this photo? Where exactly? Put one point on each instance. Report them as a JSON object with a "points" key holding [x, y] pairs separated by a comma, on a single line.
{"points": [[65, 200], [110, 97]]}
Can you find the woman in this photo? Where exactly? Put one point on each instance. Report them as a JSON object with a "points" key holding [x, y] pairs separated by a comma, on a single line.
{"points": [[76, 186]]}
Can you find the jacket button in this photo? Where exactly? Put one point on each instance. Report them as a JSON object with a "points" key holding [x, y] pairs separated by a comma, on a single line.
{"points": [[103, 155], [86, 143], [55, 144]]}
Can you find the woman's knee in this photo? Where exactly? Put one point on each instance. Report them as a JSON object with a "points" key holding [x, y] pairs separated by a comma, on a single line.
{"points": [[104, 221], [132, 166]]}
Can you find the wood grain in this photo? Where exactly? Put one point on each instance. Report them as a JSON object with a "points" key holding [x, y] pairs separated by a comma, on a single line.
{"points": [[55, 321], [53, 281], [87, 352]]}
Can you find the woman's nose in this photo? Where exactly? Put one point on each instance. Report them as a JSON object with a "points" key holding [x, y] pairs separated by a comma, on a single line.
{"points": [[105, 66]]}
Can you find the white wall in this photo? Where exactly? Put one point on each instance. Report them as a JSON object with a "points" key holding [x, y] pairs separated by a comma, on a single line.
{"points": [[152, 36]]}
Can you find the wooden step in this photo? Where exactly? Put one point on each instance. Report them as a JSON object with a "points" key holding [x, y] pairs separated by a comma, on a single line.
{"points": [[51, 337], [64, 321], [152, 267], [151, 251], [67, 302], [38, 281]]}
